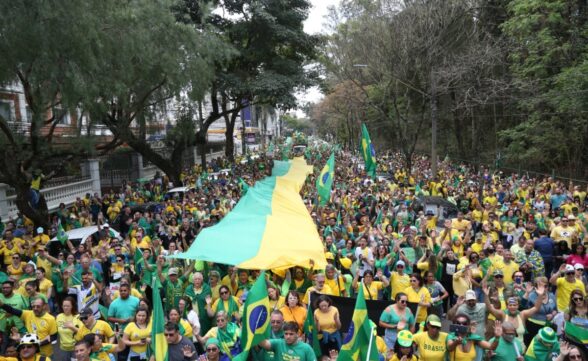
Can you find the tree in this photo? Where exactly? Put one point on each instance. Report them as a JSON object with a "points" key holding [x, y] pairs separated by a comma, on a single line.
{"points": [[403, 56], [272, 51], [46, 46], [142, 65]]}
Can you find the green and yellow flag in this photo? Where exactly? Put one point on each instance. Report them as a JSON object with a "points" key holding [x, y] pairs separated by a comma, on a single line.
{"points": [[158, 342], [61, 235], [255, 323], [324, 182], [358, 345], [309, 330], [368, 152]]}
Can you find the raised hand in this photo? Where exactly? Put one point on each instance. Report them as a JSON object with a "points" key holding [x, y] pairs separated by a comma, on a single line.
{"points": [[497, 328], [188, 352]]}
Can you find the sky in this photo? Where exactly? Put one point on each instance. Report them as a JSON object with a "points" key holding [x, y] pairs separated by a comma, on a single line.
{"points": [[313, 25]]}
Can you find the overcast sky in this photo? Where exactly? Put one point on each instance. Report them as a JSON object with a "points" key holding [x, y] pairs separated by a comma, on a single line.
{"points": [[313, 25]]}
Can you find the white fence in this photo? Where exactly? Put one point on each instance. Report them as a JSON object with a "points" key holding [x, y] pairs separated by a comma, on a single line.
{"points": [[54, 196]]}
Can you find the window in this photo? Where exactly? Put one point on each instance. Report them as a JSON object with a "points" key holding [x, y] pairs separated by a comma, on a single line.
{"points": [[61, 115], [6, 110]]}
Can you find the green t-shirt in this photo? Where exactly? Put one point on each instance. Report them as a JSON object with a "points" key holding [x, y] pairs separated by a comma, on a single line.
{"points": [[507, 351], [7, 321], [299, 351]]}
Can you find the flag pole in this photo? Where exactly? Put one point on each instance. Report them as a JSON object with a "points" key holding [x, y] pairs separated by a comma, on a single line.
{"points": [[367, 356]]}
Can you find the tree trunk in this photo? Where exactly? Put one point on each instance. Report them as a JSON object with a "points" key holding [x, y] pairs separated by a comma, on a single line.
{"points": [[201, 145], [457, 129], [230, 130], [39, 216]]}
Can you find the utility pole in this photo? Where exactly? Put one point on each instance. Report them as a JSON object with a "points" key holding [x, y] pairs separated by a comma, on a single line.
{"points": [[433, 127]]}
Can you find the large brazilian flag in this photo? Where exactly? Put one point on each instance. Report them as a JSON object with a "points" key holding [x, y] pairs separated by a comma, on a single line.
{"points": [[358, 345], [255, 318], [269, 227], [324, 182], [368, 152]]}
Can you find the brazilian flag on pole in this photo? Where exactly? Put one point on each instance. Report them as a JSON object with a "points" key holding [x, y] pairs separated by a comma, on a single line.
{"points": [[324, 183], [158, 341], [368, 152], [359, 344], [255, 322], [61, 236], [310, 332]]}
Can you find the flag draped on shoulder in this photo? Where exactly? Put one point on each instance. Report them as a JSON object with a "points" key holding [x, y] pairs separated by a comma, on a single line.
{"points": [[158, 341], [324, 183], [255, 324], [358, 344], [368, 152]]}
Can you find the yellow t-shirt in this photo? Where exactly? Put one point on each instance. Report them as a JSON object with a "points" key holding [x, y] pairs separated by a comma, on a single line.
{"points": [[43, 326], [460, 225], [8, 253], [371, 292], [336, 289], [44, 286], [431, 350], [326, 320], [135, 334], [415, 297], [66, 336], [325, 291], [100, 328], [564, 291], [399, 283], [102, 355]]}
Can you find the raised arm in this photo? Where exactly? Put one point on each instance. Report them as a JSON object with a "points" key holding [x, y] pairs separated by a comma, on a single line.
{"points": [[541, 294], [496, 312]]}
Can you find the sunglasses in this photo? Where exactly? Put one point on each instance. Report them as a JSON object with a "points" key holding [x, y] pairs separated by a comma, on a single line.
{"points": [[570, 273], [169, 334], [402, 301], [413, 280], [212, 349], [498, 276], [83, 318], [400, 266], [27, 346], [575, 357], [224, 293], [462, 323], [578, 299]]}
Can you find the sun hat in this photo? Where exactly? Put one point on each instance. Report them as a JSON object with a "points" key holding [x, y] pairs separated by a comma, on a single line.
{"points": [[405, 338]]}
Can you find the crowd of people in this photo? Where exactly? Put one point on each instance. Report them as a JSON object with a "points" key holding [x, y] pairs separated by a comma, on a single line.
{"points": [[500, 278]]}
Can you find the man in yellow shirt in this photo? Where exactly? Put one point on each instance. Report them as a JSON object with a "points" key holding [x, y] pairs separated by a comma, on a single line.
{"points": [[91, 325], [563, 232], [38, 322], [460, 223], [399, 281], [565, 285], [319, 287]]}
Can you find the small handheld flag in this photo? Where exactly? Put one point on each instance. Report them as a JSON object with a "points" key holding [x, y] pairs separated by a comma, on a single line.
{"points": [[158, 341], [324, 183], [368, 152], [61, 235]]}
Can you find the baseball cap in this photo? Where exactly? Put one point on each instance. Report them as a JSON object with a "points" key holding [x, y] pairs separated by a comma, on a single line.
{"points": [[498, 273], [578, 266], [345, 262], [470, 295], [105, 225], [400, 263], [40, 230], [571, 217], [329, 255], [86, 312], [405, 338], [569, 268], [434, 320], [172, 271]]}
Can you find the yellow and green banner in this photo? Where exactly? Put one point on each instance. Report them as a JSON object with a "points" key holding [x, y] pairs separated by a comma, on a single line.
{"points": [[269, 227]]}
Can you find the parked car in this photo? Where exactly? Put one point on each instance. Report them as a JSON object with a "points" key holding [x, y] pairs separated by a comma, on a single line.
{"points": [[440, 206], [79, 236]]}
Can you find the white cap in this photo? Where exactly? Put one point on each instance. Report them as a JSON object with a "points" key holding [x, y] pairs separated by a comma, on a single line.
{"points": [[40, 230], [400, 263], [470, 295], [105, 225], [569, 268], [578, 266]]}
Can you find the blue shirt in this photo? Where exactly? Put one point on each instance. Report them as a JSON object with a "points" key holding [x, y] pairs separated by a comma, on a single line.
{"points": [[126, 309], [545, 246]]}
